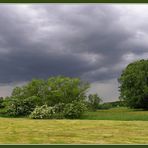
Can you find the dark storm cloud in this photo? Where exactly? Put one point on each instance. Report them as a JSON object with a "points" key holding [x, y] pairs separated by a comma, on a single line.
{"points": [[88, 41]]}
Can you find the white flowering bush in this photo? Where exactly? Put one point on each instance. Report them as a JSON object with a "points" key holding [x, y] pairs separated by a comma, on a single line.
{"points": [[42, 112], [71, 110]]}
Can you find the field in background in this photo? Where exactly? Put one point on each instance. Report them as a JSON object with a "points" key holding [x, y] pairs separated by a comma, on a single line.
{"points": [[121, 113], [27, 131]]}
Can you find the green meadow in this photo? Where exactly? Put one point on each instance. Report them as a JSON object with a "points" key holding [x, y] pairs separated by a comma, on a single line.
{"points": [[121, 113], [113, 126]]}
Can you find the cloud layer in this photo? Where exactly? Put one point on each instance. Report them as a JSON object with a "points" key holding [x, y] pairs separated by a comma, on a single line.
{"points": [[94, 42]]}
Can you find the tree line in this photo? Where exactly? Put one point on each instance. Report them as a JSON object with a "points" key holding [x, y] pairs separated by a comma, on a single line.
{"points": [[65, 97], [56, 97]]}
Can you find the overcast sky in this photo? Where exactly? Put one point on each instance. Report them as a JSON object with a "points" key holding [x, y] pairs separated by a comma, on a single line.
{"points": [[93, 42]]}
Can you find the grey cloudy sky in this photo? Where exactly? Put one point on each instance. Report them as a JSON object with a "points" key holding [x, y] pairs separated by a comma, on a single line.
{"points": [[93, 42]]}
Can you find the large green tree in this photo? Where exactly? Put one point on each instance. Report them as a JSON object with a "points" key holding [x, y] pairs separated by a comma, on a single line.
{"points": [[134, 84], [52, 91]]}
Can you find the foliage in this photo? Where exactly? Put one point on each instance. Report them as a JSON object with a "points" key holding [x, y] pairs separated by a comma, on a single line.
{"points": [[21, 107], [6, 101], [74, 110], [59, 111], [59, 107], [134, 84], [94, 101], [65, 90], [36, 87], [108, 105], [55, 91], [3, 112], [42, 112], [104, 106], [1, 102], [117, 103]]}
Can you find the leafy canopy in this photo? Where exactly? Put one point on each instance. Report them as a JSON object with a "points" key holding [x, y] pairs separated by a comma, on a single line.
{"points": [[51, 92], [134, 84]]}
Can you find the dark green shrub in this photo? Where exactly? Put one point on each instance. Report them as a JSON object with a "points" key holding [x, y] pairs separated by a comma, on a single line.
{"points": [[58, 108], [21, 107], [116, 104], [74, 110], [6, 101], [105, 106], [1, 102]]}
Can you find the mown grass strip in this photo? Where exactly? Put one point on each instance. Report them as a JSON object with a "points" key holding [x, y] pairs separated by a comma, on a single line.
{"points": [[27, 131]]}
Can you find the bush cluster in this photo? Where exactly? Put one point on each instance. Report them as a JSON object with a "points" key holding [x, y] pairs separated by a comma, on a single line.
{"points": [[55, 98], [70, 111]]}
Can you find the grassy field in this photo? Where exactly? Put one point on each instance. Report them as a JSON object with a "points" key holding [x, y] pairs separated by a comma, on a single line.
{"points": [[27, 131], [101, 127], [122, 114]]}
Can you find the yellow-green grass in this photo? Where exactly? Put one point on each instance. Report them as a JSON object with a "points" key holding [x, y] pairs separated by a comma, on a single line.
{"points": [[29, 131], [122, 114]]}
